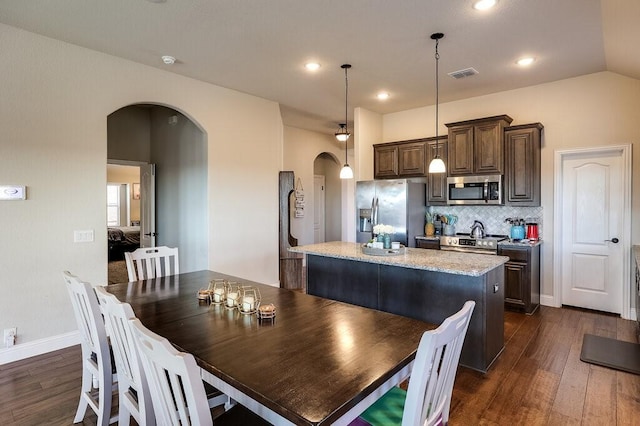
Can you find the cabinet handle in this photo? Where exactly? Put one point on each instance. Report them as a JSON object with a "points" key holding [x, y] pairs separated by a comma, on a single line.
{"points": [[613, 240]]}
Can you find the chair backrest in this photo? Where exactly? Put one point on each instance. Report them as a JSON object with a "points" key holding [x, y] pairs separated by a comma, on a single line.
{"points": [[93, 336], [434, 371], [125, 352], [152, 262], [174, 380]]}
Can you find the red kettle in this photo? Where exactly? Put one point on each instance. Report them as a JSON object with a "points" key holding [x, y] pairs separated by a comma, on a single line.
{"points": [[532, 231]]}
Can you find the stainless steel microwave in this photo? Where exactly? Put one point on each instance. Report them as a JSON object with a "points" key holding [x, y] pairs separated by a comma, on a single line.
{"points": [[475, 190]]}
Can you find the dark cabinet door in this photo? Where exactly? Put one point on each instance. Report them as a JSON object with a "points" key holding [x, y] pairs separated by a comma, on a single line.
{"points": [[412, 159], [488, 148], [522, 164], [385, 162], [515, 280], [460, 150], [437, 182], [521, 278]]}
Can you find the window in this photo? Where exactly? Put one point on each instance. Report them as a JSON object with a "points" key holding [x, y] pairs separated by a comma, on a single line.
{"points": [[113, 205]]}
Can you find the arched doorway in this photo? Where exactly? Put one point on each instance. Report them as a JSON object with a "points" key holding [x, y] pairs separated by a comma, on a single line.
{"points": [[327, 198], [177, 146]]}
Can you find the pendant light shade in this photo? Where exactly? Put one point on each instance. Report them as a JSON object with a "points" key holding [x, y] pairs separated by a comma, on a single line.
{"points": [[437, 165], [343, 134]]}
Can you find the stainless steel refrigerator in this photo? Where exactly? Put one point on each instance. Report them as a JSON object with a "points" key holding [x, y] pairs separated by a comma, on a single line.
{"points": [[396, 202]]}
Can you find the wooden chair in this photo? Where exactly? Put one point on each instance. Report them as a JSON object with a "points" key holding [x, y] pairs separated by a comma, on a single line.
{"points": [[133, 391], [428, 398], [152, 262], [96, 356], [177, 390]]}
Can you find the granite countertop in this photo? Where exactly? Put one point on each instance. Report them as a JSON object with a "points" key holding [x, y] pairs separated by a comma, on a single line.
{"points": [[471, 264], [519, 243]]}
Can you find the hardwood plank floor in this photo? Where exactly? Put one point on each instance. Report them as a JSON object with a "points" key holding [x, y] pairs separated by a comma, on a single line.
{"points": [[538, 379]]}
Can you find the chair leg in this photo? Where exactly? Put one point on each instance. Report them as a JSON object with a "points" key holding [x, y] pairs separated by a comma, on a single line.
{"points": [[87, 379], [105, 394]]}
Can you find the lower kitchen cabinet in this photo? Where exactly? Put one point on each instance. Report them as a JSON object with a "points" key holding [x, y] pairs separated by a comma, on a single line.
{"points": [[521, 277]]}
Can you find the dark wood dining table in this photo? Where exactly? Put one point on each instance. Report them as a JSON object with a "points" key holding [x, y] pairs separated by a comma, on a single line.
{"points": [[318, 362]]}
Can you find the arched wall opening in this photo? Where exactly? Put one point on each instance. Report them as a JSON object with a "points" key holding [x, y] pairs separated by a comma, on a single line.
{"points": [[161, 135]]}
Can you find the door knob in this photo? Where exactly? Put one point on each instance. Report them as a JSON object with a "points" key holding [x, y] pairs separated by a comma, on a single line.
{"points": [[613, 240]]}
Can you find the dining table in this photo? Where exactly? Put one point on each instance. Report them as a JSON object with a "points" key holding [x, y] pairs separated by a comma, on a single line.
{"points": [[316, 362]]}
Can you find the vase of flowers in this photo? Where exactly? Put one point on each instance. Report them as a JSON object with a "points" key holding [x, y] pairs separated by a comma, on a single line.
{"points": [[384, 234]]}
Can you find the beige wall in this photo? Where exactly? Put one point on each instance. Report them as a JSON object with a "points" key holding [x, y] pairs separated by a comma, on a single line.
{"points": [[128, 175], [301, 147], [55, 99], [588, 111]]}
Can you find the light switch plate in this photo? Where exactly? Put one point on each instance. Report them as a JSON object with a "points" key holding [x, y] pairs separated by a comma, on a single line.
{"points": [[84, 236], [13, 192]]}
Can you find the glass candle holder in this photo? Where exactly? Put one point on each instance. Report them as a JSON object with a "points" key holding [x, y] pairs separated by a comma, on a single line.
{"points": [[233, 295], [249, 299], [218, 291]]}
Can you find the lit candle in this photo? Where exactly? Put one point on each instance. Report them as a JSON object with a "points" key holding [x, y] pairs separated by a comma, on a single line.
{"points": [[231, 299], [247, 303]]}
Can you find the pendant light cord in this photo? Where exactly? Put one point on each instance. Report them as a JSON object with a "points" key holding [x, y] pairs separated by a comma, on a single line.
{"points": [[437, 56], [346, 109]]}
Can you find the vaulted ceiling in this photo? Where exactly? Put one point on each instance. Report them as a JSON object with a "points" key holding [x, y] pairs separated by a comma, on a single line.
{"points": [[260, 47]]}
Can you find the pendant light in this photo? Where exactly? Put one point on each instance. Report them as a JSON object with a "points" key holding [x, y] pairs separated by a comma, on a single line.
{"points": [[343, 134], [437, 165]]}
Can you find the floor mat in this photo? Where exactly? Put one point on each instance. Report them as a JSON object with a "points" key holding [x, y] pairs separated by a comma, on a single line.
{"points": [[612, 353]]}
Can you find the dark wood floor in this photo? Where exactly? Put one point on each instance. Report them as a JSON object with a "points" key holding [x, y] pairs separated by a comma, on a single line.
{"points": [[538, 380]]}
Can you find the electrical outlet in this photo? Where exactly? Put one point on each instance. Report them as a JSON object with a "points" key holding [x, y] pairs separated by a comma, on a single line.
{"points": [[10, 336]]}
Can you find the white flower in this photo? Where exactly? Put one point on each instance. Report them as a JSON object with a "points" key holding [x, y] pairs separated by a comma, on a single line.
{"points": [[383, 229]]}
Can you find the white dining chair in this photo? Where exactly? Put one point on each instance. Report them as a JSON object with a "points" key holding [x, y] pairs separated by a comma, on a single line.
{"points": [[152, 262], [177, 391], [133, 392], [97, 370], [427, 401]]}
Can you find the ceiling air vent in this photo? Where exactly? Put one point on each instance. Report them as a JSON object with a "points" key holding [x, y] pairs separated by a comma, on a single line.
{"points": [[467, 72]]}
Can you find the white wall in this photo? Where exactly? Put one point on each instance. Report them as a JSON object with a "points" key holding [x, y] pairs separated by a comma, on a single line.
{"points": [[54, 103], [592, 110]]}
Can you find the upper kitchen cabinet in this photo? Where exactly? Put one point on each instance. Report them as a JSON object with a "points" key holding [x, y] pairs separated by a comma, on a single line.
{"points": [[400, 159], [437, 182], [385, 161], [522, 163], [477, 146]]}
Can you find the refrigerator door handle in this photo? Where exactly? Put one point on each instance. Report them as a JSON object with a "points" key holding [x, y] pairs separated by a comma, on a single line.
{"points": [[375, 214]]}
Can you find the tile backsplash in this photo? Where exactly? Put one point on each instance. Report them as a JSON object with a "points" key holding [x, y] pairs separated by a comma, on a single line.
{"points": [[491, 216]]}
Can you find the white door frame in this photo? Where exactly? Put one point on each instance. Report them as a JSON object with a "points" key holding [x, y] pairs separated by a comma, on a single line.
{"points": [[625, 238]]}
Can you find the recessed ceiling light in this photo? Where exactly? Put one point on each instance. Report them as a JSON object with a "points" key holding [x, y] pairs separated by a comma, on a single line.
{"points": [[169, 60], [312, 66], [525, 62], [383, 96], [484, 4]]}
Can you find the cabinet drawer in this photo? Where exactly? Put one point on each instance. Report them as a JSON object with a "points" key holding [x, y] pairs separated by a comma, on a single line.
{"points": [[515, 255]]}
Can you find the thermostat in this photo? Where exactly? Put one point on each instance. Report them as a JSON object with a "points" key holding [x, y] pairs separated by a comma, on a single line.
{"points": [[13, 192]]}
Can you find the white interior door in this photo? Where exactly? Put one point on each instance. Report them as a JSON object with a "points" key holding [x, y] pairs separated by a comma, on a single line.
{"points": [[592, 221], [318, 209], [148, 205]]}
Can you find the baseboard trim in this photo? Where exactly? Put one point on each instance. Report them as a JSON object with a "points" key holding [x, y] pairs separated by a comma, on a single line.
{"points": [[38, 347], [546, 300]]}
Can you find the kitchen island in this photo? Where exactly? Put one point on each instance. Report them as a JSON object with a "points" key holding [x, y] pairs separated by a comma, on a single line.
{"points": [[428, 285]]}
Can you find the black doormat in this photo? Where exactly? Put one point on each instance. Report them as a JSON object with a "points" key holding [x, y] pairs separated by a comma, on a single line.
{"points": [[612, 353]]}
